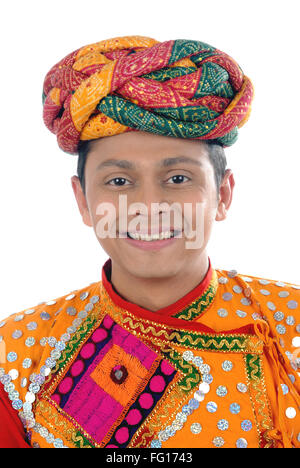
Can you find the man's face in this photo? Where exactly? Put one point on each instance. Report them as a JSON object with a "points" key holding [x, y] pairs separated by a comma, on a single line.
{"points": [[150, 174]]}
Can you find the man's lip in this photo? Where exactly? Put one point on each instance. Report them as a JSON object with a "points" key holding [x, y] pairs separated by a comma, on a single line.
{"points": [[149, 233]]}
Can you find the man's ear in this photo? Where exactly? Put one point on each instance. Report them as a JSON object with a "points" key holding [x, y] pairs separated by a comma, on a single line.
{"points": [[225, 195], [81, 201]]}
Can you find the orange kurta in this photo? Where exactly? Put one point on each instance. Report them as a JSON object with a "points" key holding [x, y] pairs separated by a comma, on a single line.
{"points": [[218, 368]]}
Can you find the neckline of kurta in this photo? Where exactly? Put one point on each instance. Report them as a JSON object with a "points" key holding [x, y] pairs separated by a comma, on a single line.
{"points": [[187, 308]]}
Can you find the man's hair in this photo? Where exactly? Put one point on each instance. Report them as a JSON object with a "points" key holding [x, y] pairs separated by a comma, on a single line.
{"points": [[215, 151]]}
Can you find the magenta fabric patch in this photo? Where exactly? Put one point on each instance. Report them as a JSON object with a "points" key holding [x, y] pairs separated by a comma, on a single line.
{"points": [[93, 409], [84, 400]]}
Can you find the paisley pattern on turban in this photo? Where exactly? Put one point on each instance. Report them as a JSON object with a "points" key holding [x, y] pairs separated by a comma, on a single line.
{"points": [[180, 88]]}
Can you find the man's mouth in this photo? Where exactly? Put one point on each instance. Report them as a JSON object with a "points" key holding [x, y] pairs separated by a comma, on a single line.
{"points": [[155, 237]]}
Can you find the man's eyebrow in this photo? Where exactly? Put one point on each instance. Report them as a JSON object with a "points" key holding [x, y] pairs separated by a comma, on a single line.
{"points": [[167, 162]]}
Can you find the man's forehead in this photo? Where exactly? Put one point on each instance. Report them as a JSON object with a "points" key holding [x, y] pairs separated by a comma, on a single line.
{"points": [[161, 163], [132, 150]]}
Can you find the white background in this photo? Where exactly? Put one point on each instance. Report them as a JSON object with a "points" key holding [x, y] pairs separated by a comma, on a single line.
{"points": [[46, 250]]}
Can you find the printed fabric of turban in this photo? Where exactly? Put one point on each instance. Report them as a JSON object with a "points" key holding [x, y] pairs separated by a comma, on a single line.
{"points": [[180, 88]]}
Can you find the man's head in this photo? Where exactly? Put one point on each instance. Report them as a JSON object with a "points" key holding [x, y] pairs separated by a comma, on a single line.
{"points": [[153, 169]]}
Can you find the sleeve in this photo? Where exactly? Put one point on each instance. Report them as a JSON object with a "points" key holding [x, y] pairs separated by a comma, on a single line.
{"points": [[12, 434]]}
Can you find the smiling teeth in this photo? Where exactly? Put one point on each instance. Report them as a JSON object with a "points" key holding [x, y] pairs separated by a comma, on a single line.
{"points": [[146, 237]]}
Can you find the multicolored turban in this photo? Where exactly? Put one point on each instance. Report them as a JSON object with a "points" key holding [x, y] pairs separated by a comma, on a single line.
{"points": [[180, 88]]}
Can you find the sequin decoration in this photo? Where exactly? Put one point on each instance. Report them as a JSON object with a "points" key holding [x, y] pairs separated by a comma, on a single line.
{"points": [[187, 409]]}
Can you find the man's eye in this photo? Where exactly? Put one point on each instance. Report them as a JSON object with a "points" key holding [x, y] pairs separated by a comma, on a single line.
{"points": [[178, 178], [119, 181]]}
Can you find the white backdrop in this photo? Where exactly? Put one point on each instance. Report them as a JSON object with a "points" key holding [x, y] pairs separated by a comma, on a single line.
{"points": [[46, 250]]}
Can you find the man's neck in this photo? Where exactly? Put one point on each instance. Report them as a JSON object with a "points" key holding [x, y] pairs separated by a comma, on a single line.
{"points": [[156, 293]]}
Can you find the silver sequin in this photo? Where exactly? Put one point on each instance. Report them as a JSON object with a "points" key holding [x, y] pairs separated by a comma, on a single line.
{"points": [[232, 273], [265, 292], [281, 329], [292, 304], [234, 408], [285, 389], [18, 318], [84, 295], [296, 342], [237, 289], [223, 280], [241, 313], [30, 341], [227, 296], [227, 366], [278, 316], [211, 407], [204, 388], [17, 334], [245, 301], [197, 360], [241, 443], [204, 368], [27, 363], [45, 316], [12, 356], [242, 387], [196, 428], [263, 281], [94, 299], [223, 424], [218, 441], [71, 296], [221, 391], [246, 425], [71, 311], [187, 355], [290, 320], [290, 412], [14, 374], [199, 396], [222, 313], [271, 305], [23, 382], [283, 294]]}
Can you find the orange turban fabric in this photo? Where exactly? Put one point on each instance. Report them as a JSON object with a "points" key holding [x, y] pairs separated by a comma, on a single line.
{"points": [[180, 88]]}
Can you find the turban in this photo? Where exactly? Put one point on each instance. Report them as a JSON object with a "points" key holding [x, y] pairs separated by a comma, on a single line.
{"points": [[179, 88]]}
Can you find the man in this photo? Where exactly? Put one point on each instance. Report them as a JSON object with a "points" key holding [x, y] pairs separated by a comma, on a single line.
{"points": [[165, 350]]}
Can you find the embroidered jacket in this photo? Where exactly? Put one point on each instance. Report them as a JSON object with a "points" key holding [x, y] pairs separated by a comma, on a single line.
{"points": [[217, 368]]}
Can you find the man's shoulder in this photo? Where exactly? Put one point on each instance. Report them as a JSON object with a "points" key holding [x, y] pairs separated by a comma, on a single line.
{"points": [[47, 311], [25, 334], [262, 285]]}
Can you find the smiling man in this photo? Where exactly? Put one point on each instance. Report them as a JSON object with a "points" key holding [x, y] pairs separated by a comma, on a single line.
{"points": [[166, 350]]}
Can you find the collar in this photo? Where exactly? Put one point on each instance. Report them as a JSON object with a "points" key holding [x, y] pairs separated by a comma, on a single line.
{"points": [[189, 307]]}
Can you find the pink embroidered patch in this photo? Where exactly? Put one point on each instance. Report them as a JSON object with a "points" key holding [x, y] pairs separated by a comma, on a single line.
{"points": [[99, 335], [122, 435], [157, 384], [66, 385], [77, 368], [133, 417], [166, 368], [87, 350], [146, 400]]}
